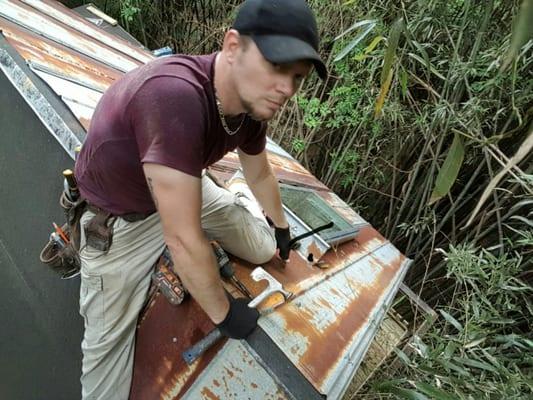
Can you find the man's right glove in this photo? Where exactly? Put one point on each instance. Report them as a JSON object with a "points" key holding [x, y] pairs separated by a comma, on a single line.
{"points": [[240, 321]]}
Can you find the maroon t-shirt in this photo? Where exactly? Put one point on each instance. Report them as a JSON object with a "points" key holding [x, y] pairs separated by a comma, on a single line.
{"points": [[165, 113]]}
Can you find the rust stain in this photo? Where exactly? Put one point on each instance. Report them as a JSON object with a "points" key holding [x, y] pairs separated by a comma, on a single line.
{"points": [[298, 274], [315, 251], [216, 383], [230, 372], [88, 42], [318, 359], [208, 394], [254, 385], [140, 55], [286, 170], [85, 123], [188, 323], [55, 56]]}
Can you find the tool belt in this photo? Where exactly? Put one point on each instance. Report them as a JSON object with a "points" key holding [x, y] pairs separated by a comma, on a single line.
{"points": [[63, 255]]}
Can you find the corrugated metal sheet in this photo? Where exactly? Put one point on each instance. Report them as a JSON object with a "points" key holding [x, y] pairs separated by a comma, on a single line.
{"points": [[339, 300], [41, 24], [61, 13], [235, 374], [325, 330], [58, 59]]}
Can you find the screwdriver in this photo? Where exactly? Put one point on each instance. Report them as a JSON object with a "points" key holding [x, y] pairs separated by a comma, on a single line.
{"points": [[226, 269]]}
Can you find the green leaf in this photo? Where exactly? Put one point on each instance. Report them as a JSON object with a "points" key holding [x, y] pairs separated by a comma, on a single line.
{"points": [[403, 81], [358, 24], [402, 356], [476, 364], [368, 49], [428, 65], [449, 170], [433, 392], [408, 394], [451, 320], [474, 343], [394, 38], [449, 365], [354, 42], [522, 32], [391, 386]]}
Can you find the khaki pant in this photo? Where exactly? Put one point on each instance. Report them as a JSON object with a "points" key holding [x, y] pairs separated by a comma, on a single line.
{"points": [[114, 285]]}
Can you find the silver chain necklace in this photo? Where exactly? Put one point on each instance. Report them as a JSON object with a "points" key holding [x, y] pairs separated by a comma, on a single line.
{"points": [[223, 118]]}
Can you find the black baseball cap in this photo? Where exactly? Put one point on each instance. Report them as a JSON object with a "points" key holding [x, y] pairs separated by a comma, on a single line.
{"points": [[285, 31]]}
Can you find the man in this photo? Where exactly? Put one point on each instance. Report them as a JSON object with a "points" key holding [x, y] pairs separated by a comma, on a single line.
{"points": [[140, 169]]}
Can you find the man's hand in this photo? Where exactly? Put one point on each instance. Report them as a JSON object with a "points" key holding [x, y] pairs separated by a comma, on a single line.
{"points": [[283, 237], [240, 321]]}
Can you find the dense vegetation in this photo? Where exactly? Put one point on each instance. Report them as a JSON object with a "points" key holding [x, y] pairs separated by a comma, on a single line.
{"points": [[428, 101]]}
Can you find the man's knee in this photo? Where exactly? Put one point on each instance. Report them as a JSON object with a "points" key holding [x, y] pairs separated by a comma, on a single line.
{"points": [[263, 253]]}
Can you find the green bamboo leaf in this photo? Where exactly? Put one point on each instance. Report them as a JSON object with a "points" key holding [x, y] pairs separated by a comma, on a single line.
{"points": [[402, 356], [523, 219], [391, 386], [403, 81], [427, 65], [476, 364], [424, 53], [354, 42], [368, 49], [522, 152], [408, 394], [394, 38], [449, 365], [449, 171], [451, 320], [474, 343], [434, 392], [358, 24], [522, 32]]}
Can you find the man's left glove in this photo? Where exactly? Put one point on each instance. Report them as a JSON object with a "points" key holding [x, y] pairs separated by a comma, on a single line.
{"points": [[283, 237]]}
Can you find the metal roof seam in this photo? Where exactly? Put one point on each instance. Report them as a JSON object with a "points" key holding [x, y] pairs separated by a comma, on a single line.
{"points": [[36, 66]]}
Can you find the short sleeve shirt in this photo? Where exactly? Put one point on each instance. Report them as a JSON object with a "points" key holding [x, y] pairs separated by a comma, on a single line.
{"points": [[164, 112]]}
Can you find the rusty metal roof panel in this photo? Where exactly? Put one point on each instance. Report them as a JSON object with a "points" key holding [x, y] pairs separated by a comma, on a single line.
{"points": [[236, 374], [35, 21], [325, 330], [63, 14], [55, 58]]}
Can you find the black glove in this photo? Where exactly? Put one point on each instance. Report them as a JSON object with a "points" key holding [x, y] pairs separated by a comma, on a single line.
{"points": [[240, 321], [283, 237]]}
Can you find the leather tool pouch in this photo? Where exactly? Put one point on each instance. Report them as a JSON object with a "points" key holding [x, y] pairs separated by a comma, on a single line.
{"points": [[99, 230], [63, 257]]}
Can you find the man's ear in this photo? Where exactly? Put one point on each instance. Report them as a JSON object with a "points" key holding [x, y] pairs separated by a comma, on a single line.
{"points": [[231, 45]]}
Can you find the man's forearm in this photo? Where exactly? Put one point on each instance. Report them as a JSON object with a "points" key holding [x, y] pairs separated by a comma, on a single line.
{"points": [[266, 191], [197, 267]]}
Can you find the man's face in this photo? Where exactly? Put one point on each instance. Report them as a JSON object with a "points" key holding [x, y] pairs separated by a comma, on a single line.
{"points": [[264, 87]]}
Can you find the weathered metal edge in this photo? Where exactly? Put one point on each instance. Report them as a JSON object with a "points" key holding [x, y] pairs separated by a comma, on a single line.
{"points": [[33, 95], [341, 383]]}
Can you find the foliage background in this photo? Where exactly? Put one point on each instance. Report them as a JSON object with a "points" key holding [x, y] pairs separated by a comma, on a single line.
{"points": [[427, 101]]}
